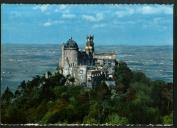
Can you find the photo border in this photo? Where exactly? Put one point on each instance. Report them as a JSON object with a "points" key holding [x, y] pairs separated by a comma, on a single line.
{"points": [[167, 2]]}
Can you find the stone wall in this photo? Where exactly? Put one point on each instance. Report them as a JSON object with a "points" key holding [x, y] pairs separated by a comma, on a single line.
{"points": [[71, 57]]}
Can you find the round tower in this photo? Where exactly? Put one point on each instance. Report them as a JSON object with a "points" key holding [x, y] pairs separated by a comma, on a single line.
{"points": [[71, 53]]}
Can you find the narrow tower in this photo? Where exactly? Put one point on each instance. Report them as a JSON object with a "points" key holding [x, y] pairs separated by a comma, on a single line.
{"points": [[89, 48]]}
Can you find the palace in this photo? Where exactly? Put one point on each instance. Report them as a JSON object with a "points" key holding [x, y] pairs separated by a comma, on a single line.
{"points": [[87, 67]]}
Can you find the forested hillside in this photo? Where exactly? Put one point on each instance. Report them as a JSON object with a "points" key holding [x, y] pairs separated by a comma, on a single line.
{"points": [[134, 100]]}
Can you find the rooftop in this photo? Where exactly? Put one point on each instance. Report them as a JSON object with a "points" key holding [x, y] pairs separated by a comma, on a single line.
{"points": [[71, 44]]}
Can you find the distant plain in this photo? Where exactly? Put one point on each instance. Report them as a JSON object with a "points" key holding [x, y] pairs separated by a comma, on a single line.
{"points": [[22, 62]]}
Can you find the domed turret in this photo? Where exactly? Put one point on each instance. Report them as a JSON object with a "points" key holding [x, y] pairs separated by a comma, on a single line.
{"points": [[71, 44], [70, 53]]}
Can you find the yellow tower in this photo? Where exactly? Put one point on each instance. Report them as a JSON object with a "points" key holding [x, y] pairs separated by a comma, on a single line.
{"points": [[89, 48]]}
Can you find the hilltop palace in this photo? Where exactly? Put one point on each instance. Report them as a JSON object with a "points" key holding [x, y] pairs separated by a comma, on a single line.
{"points": [[87, 67]]}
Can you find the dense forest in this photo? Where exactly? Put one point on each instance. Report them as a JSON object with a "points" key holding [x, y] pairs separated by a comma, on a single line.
{"points": [[134, 100]]}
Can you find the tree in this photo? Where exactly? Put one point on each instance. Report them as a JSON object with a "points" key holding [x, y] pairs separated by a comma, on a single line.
{"points": [[168, 119], [89, 120], [123, 74], [116, 119], [135, 99], [140, 77], [72, 80], [17, 93], [94, 114], [22, 86], [14, 115], [7, 96], [162, 96], [35, 81], [49, 74], [102, 90]]}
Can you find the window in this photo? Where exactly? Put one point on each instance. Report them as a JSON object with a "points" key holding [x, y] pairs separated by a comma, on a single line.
{"points": [[81, 71]]}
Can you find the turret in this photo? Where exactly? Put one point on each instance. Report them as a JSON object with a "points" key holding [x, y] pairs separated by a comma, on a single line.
{"points": [[70, 53], [89, 48]]}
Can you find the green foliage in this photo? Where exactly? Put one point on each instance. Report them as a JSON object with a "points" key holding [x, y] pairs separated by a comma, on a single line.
{"points": [[94, 114], [135, 100], [116, 119], [102, 91], [140, 77], [7, 96], [162, 94], [13, 115], [142, 93], [89, 120], [123, 74], [168, 119]]}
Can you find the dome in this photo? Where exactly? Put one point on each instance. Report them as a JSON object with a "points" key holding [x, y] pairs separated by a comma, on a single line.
{"points": [[71, 44]]}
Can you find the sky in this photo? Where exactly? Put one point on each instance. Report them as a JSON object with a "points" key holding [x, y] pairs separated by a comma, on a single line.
{"points": [[110, 24]]}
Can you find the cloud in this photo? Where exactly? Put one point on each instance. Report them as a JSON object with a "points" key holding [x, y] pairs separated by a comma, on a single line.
{"points": [[61, 7], [159, 23], [50, 23], [127, 22], [145, 10], [42, 8], [98, 17], [56, 10], [155, 10], [68, 16], [148, 10], [46, 24], [65, 12], [99, 25], [124, 12]]}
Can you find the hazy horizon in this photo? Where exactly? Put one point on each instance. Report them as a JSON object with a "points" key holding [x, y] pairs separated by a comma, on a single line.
{"points": [[22, 62], [83, 44]]}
